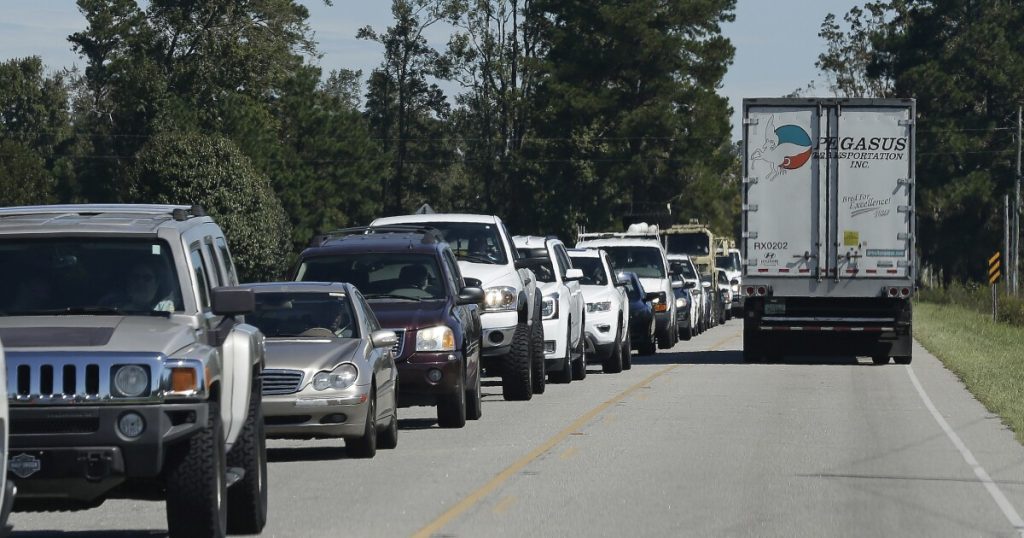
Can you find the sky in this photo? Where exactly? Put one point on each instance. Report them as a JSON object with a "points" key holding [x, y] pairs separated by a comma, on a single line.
{"points": [[776, 40]]}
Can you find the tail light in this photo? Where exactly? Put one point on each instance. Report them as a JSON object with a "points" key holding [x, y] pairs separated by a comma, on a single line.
{"points": [[750, 291], [762, 291], [905, 292]]}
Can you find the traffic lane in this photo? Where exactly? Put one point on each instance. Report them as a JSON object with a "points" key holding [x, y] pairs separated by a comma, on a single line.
{"points": [[822, 447], [316, 489]]}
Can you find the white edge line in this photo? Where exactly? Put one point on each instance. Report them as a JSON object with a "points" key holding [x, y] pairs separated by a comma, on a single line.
{"points": [[993, 489]]}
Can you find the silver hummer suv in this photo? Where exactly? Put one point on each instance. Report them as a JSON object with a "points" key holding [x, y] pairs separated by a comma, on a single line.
{"points": [[130, 371]]}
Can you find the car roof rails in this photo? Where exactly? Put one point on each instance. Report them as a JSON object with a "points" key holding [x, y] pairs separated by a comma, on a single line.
{"points": [[177, 212], [430, 235]]}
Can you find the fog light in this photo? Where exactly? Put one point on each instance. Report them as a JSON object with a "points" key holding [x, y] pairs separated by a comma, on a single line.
{"points": [[131, 424], [496, 337], [334, 418], [549, 346], [434, 375]]}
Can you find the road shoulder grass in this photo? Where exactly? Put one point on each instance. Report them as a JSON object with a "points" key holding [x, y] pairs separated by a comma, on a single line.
{"points": [[988, 357]]}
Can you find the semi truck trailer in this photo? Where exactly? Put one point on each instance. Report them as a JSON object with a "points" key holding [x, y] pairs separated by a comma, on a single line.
{"points": [[828, 235]]}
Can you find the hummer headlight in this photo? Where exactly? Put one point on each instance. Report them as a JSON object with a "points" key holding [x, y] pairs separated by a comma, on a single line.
{"points": [[439, 338], [131, 380], [500, 299]]}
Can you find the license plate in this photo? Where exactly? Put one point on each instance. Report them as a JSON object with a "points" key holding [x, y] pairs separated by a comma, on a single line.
{"points": [[772, 309]]}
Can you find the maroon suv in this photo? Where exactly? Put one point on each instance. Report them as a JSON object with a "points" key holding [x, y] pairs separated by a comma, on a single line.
{"points": [[412, 282]]}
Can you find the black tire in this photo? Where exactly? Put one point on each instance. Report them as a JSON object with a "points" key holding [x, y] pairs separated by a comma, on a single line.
{"points": [[247, 498], [517, 374], [474, 403], [627, 353], [665, 338], [902, 360], [196, 482], [366, 445], [612, 364], [880, 360], [388, 437], [565, 374], [451, 408], [686, 334], [579, 366], [540, 377]]}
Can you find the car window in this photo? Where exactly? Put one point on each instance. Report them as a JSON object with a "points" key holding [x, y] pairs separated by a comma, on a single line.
{"points": [[87, 275], [545, 271], [371, 320], [229, 264], [695, 243], [199, 268], [319, 315], [593, 271], [563, 259], [453, 269], [646, 262], [217, 278], [380, 276], [476, 242], [684, 268], [722, 279]]}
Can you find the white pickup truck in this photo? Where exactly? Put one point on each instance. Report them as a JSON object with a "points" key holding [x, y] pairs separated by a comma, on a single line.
{"points": [[828, 227]]}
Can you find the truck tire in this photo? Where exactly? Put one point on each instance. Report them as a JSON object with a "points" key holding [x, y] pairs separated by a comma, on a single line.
{"points": [[665, 338], [540, 378], [647, 348], [686, 334], [579, 366], [451, 408], [366, 445], [247, 498], [517, 374], [474, 404], [902, 360], [612, 364], [196, 482], [627, 353], [565, 374]]}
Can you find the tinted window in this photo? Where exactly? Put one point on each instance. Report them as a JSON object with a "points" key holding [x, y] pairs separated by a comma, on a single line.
{"points": [[593, 271], [40, 276], [200, 272], [729, 263], [322, 315], [646, 262], [683, 268], [472, 242], [544, 271], [229, 264], [216, 277], [695, 243], [384, 276], [722, 279]]}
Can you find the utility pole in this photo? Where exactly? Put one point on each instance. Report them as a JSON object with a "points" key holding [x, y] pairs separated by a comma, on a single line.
{"points": [[1006, 233], [1015, 267]]}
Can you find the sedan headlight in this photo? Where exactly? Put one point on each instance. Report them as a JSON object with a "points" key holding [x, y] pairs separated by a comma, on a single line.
{"points": [[549, 308], [602, 306], [439, 338], [131, 381], [341, 377], [681, 301], [501, 299]]}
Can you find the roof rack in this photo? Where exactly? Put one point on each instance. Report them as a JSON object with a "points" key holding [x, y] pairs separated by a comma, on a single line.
{"points": [[177, 212], [430, 235], [618, 235]]}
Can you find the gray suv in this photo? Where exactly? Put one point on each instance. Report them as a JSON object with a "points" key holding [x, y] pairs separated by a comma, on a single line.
{"points": [[131, 373]]}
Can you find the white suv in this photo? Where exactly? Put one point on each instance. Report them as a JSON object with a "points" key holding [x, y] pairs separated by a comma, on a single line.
{"points": [[641, 252], [513, 335], [607, 317], [562, 307], [732, 262]]}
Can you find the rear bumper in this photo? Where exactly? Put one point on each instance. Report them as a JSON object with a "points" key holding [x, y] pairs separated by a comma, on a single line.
{"points": [[77, 453]]}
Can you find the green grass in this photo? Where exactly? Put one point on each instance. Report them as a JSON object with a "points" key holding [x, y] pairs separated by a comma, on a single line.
{"points": [[987, 356]]}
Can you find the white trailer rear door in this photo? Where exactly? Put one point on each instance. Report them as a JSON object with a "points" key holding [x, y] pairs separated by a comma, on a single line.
{"points": [[783, 208], [872, 181]]}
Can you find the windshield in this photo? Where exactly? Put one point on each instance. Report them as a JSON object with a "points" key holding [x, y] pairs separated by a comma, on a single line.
{"points": [[545, 271], [646, 262], [88, 276], [474, 242], [379, 276], [684, 269], [729, 263], [593, 271], [319, 315], [696, 244]]}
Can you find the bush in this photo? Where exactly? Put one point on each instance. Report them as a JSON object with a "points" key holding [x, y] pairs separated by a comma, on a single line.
{"points": [[976, 297], [191, 168]]}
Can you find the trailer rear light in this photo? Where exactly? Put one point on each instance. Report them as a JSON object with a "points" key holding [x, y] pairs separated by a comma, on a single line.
{"points": [[762, 291], [750, 291], [905, 292], [893, 292]]}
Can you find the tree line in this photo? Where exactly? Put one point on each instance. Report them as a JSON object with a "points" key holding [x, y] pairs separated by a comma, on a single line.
{"points": [[568, 113]]}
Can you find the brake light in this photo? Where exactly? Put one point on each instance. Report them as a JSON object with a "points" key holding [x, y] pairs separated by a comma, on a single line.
{"points": [[750, 291], [905, 292], [762, 291]]}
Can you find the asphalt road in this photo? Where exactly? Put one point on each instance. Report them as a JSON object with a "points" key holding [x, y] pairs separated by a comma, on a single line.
{"points": [[689, 442]]}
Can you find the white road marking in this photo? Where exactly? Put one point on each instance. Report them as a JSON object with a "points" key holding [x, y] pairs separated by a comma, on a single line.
{"points": [[993, 489]]}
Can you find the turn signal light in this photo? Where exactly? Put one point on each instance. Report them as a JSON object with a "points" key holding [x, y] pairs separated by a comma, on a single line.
{"points": [[660, 307], [183, 379]]}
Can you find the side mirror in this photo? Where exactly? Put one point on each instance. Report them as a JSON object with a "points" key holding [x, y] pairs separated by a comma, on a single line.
{"points": [[383, 338], [471, 295], [652, 296], [689, 285], [473, 282], [677, 284], [706, 285], [574, 274], [621, 283], [232, 301]]}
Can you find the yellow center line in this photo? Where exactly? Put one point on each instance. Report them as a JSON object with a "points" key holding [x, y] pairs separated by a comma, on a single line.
{"points": [[569, 452], [504, 504], [483, 491]]}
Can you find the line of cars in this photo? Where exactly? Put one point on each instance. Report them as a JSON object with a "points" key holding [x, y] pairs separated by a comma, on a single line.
{"points": [[138, 366]]}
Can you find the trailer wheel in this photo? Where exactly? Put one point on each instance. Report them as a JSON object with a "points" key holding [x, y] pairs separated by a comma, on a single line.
{"points": [[902, 360]]}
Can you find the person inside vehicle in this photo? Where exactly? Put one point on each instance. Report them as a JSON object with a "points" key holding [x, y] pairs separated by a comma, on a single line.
{"points": [[144, 290], [414, 276]]}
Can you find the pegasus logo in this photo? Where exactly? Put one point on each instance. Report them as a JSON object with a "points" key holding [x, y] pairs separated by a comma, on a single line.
{"points": [[785, 148]]}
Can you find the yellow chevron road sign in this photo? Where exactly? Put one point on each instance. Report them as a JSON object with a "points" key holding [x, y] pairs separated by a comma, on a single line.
{"points": [[994, 268]]}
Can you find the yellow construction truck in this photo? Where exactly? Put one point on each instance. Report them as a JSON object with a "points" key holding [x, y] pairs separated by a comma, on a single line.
{"points": [[697, 241]]}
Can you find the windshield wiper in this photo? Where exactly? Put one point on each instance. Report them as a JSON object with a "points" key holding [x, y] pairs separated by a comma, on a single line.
{"points": [[391, 296]]}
